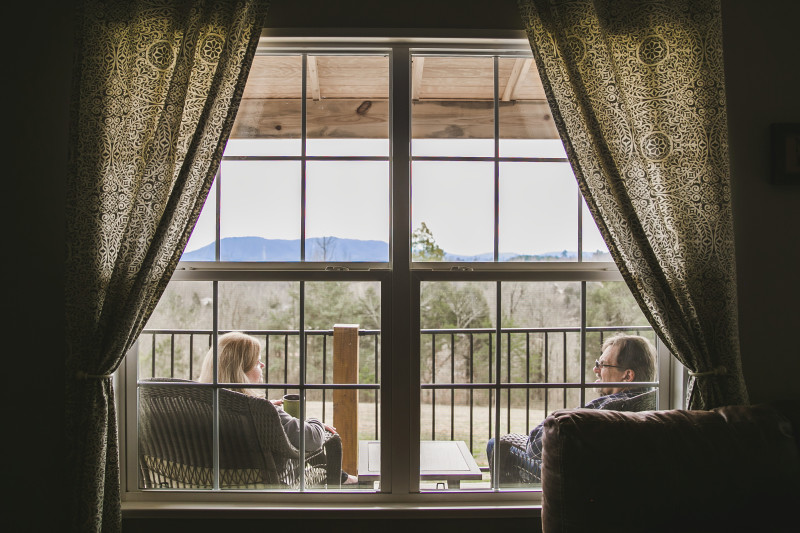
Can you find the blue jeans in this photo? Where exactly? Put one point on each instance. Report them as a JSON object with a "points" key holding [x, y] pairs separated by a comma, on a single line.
{"points": [[528, 469]]}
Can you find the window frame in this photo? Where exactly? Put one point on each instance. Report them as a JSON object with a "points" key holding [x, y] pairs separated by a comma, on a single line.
{"points": [[400, 280]]}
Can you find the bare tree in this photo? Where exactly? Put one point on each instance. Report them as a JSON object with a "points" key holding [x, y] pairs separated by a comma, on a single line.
{"points": [[325, 248]]}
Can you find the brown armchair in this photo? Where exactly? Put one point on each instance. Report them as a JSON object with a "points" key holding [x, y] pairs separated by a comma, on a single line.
{"points": [[734, 468], [176, 446]]}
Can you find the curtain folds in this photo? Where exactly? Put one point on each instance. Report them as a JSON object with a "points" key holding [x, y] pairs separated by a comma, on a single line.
{"points": [[156, 88], [637, 92]]}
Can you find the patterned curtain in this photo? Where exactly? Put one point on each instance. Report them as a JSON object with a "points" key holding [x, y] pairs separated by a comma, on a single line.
{"points": [[156, 89], [638, 95]]}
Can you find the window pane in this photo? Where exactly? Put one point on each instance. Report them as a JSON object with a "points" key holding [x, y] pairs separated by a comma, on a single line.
{"points": [[261, 147], [175, 437], [545, 148], [177, 336], [456, 346], [453, 147], [343, 347], [363, 445], [268, 311], [259, 306], [542, 343], [173, 345], [527, 128], [538, 212], [347, 99], [610, 310], [270, 108], [260, 215], [594, 247], [455, 202], [347, 211], [452, 99]]}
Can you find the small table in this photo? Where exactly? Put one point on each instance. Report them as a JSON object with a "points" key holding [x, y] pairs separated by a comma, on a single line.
{"points": [[441, 460]]}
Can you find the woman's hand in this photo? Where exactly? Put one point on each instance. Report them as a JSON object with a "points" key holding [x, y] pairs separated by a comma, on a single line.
{"points": [[329, 429], [277, 402]]}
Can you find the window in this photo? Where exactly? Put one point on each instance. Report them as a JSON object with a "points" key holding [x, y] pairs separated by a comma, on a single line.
{"points": [[399, 228]]}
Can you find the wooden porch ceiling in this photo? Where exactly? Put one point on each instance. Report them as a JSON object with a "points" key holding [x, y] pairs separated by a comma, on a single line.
{"points": [[347, 97]]}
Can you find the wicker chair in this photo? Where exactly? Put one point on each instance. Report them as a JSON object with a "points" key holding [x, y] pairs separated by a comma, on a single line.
{"points": [[513, 469], [176, 450]]}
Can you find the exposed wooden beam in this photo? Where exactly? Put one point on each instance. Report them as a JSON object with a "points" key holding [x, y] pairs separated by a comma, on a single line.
{"points": [[515, 79], [417, 65], [355, 118], [313, 77]]}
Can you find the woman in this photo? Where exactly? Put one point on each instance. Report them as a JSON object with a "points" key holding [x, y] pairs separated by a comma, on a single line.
{"points": [[239, 362]]}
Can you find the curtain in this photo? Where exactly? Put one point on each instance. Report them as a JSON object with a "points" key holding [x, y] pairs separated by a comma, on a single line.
{"points": [[637, 92], [156, 88]]}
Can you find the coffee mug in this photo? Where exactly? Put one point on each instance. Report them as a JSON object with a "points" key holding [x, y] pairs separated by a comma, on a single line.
{"points": [[291, 404]]}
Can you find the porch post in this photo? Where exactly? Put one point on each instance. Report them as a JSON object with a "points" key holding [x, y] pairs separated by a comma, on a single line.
{"points": [[345, 402]]}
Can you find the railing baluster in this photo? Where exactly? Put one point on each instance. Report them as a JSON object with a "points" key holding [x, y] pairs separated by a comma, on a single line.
{"points": [[305, 342], [191, 355], [491, 357], [546, 371], [324, 370], [491, 396], [564, 353], [433, 391], [471, 380], [377, 375], [286, 360], [172, 355], [266, 358], [508, 380], [527, 380], [452, 390]]}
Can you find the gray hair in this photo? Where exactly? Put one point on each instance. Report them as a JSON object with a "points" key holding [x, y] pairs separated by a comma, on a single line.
{"points": [[635, 353]]}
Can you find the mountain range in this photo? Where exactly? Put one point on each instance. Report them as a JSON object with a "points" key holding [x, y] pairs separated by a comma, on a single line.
{"points": [[336, 249]]}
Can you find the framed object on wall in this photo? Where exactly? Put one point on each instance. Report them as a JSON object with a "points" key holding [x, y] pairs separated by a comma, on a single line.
{"points": [[785, 153]]}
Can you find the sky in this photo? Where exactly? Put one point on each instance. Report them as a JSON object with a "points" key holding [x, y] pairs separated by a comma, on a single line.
{"points": [[539, 202]]}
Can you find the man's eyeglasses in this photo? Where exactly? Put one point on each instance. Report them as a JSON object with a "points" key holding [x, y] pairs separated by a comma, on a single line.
{"points": [[598, 365]]}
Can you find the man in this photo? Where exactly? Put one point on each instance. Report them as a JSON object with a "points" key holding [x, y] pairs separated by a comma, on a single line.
{"points": [[625, 358]]}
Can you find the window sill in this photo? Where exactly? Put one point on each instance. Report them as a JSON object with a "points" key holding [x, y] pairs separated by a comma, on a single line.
{"points": [[207, 509]]}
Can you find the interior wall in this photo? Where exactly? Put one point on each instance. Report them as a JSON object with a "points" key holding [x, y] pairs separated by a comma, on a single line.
{"points": [[763, 78], [761, 54], [37, 72], [460, 14]]}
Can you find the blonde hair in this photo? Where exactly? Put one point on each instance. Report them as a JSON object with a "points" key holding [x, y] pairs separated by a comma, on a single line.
{"points": [[237, 354]]}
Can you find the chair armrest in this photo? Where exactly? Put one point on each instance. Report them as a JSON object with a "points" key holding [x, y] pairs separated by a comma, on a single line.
{"points": [[508, 468], [516, 440]]}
